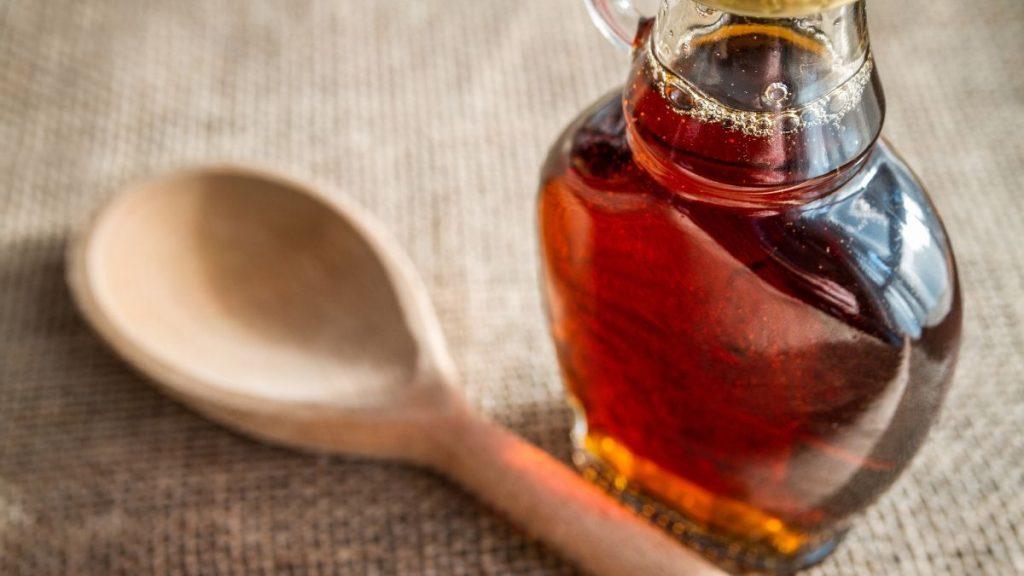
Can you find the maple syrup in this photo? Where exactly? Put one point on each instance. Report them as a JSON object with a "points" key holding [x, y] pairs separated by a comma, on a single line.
{"points": [[756, 312]]}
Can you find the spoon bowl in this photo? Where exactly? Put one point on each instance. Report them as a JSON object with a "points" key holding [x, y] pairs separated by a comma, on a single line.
{"points": [[265, 305], [289, 314]]}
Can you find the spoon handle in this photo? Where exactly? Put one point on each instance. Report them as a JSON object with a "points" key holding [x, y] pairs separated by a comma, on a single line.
{"points": [[555, 505]]}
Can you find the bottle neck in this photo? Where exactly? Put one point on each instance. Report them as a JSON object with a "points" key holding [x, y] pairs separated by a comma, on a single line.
{"points": [[752, 105], [805, 58]]}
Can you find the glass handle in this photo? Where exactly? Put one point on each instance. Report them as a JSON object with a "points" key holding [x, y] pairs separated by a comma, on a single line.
{"points": [[616, 19]]}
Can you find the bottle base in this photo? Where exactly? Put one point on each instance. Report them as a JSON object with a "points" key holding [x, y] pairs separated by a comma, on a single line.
{"points": [[726, 551]]}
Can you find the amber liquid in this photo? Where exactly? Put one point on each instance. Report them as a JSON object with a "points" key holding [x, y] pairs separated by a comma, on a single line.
{"points": [[737, 375]]}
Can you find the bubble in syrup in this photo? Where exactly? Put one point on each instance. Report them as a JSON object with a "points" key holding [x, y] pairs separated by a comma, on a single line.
{"points": [[789, 123], [838, 102], [679, 98], [775, 94], [810, 116]]}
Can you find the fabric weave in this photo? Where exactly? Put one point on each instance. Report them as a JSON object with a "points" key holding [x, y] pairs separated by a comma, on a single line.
{"points": [[435, 115]]}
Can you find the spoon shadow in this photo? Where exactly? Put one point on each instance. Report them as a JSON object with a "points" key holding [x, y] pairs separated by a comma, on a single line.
{"points": [[101, 473]]}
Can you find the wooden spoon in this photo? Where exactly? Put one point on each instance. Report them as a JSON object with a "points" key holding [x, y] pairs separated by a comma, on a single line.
{"points": [[290, 315]]}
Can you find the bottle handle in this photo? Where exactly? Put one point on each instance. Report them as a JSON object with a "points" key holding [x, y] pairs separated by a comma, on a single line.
{"points": [[618, 20]]}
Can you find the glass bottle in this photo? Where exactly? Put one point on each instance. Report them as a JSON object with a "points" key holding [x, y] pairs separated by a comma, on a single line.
{"points": [[754, 303]]}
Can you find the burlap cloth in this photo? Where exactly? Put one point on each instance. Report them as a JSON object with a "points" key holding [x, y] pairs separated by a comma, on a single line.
{"points": [[435, 115]]}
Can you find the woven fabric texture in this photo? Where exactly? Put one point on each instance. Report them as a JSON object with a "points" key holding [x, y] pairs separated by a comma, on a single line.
{"points": [[435, 115]]}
